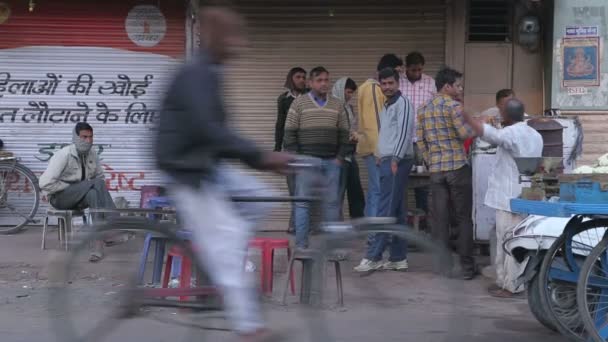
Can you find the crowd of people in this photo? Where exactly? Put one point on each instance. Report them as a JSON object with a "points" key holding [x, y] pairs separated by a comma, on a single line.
{"points": [[403, 117]]}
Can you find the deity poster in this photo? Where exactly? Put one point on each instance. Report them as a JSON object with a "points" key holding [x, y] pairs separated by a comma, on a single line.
{"points": [[581, 62]]}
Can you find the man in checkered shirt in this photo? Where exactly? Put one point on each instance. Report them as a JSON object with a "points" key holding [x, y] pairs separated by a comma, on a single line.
{"points": [[419, 88], [441, 133]]}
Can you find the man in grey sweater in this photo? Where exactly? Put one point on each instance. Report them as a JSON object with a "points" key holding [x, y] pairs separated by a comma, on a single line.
{"points": [[394, 157]]}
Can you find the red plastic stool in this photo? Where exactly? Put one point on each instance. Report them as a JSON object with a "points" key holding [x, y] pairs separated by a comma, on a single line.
{"points": [[414, 217], [185, 274], [267, 247]]}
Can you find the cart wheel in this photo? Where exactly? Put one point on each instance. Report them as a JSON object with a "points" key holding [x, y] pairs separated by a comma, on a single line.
{"points": [[534, 302], [560, 271], [592, 292]]}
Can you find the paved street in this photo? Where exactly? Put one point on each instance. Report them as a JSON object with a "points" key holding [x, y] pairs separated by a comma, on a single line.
{"points": [[413, 306]]}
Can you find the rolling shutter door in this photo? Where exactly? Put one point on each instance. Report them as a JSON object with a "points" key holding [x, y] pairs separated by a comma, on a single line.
{"points": [[70, 61]]}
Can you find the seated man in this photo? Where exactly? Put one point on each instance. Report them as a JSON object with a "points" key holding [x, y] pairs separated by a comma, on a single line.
{"points": [[74, 179]]}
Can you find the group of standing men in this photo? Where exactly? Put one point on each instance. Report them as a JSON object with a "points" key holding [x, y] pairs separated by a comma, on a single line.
{"points": [[403, 115], [406, 117]]}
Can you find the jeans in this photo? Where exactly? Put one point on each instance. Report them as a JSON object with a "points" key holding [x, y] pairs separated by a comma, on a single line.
{"points": [[330, 184], [350, 184], [454, 187], [373, 186], [291, 188], [373, 191], [85, 194], [421, 194], [392, 204]]}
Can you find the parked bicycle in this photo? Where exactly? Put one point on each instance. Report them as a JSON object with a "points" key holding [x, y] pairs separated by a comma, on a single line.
{"points": [[19, 194]]}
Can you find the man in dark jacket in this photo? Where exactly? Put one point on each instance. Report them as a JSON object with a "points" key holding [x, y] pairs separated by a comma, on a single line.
{"points": [[192, 142], [295, 83]]}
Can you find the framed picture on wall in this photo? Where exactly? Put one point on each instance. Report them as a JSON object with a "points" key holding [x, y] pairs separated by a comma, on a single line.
{"points": [[581, 62]]}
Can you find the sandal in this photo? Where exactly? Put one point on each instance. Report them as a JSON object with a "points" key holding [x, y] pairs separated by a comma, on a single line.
{"points": [[263, 335], [95, 256], [96, 251], [119, 239], [500, 293]]}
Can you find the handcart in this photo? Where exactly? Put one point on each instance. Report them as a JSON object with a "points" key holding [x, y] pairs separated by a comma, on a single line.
{"points": [[572, 283]]}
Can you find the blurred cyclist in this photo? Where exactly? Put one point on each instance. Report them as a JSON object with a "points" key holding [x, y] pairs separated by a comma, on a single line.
{"points": [[192, 143]]}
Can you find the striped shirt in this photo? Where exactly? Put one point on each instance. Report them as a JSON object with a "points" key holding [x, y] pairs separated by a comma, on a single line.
{"points": [[318, 131], [419, 93], [441, 133]]}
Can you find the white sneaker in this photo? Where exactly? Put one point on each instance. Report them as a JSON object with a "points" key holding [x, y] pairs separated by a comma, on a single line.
{"points": [[368, 265], [396, 265]]}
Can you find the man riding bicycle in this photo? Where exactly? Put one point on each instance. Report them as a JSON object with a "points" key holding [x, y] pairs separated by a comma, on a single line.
{"points": [[192, 142]]}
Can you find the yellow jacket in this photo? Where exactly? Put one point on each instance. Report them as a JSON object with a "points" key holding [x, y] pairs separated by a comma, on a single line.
{"points": [[370, 103]]}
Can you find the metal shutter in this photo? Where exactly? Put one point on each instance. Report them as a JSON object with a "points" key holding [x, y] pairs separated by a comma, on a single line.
{"points": [[64, 39]]}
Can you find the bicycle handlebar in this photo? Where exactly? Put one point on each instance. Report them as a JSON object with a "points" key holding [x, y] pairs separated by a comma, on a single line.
{"points": [[302, 164]]}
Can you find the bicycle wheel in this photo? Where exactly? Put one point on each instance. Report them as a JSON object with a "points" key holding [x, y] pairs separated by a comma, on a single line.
{"points": [[103, 302], [559, 274], [592, 292], [428, 262], [19, 197], [535, 305]]}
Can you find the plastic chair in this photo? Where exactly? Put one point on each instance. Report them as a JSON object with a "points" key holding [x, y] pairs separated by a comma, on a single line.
{"points": [[64, 221], [267, 247]]}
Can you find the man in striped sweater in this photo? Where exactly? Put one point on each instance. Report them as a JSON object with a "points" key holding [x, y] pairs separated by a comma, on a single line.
{"points": [[394, 157], [317, 126]]}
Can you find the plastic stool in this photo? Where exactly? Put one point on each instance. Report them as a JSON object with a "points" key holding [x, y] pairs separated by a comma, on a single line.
{"points": [[310, 259], [185, 274], [414, 218], [159, 255], [267, 247]]}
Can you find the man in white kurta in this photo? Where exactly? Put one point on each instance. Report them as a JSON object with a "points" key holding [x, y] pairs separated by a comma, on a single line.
{"points": [[516, 139]]}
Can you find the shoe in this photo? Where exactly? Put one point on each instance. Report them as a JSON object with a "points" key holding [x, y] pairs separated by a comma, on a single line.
{"points": [[119, 239], [396, 265], [367, 265], [469, 268], [96, 252], [468, 274]]}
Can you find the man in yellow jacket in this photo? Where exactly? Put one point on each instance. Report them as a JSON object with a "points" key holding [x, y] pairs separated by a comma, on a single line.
{"points": [[370, 103]]}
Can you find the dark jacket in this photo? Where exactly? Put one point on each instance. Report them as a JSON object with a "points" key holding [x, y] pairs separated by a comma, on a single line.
{"points": [[283, 103], [192, 133]]}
